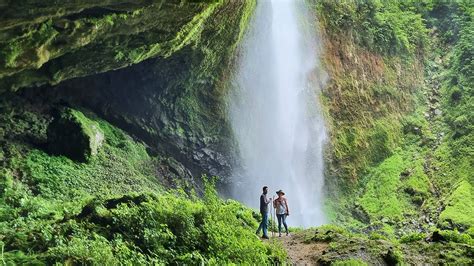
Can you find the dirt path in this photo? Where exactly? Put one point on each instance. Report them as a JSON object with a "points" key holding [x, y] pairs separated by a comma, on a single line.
{"points": [[301, 252]]}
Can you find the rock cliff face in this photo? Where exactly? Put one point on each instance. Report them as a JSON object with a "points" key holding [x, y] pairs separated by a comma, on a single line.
{"points": [[154, 68], [398, 123], [104, 103], [46, 43]]}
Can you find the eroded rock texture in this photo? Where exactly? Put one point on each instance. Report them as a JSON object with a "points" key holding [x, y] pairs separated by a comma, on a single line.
{"points": [[157, 69]]}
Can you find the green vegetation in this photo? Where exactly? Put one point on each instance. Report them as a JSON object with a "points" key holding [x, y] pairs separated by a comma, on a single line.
{"points": [[111, 209], [349, 262], [459, 211], [413, 237], [73, 135], [455, 157], [399, 110], [372, 53], [457, 237], [402, 145], [387, 27], [91, 38], [142, 229], [341, 247], [29, 46], [380, 198]]}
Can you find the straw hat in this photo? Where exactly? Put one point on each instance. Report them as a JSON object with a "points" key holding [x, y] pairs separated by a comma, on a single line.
{"points": [[280, 192]]}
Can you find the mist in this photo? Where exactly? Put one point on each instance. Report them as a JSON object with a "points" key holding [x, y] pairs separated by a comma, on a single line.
{"points": [[275, 113]]}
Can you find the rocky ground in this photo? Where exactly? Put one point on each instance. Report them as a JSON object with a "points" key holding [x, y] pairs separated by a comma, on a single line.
{"points": [[331, 245], [301, 252]]}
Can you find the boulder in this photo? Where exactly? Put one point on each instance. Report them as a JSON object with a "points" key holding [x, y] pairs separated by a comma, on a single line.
{"points": [[74, 135]]}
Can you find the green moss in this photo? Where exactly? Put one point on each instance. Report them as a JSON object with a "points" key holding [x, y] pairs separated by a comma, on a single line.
{"points": [[120, 166], [413, 237], [377, 236], [247, 13], [349, 262], [386, 27], [189, 33], [418, 181], [180, 131], [459, 210], [383, 139], [360, 146], [416, 128], [11, 53], [29, 48], [387, 230], [380, 198], [417, 184], [455, 236], [74, 135], [192, 31], [326, 233], [137, 31], [470, 231]]}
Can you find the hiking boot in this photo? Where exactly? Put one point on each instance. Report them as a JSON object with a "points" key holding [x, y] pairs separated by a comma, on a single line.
{"points": [[265, 237], [279, 235]]}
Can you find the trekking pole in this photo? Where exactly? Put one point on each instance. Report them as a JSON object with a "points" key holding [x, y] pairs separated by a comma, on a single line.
{"points": [[274, 214], [271, 218]]}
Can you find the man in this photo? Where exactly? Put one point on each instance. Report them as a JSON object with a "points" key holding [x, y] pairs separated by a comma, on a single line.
{"points": [[264, 211]]}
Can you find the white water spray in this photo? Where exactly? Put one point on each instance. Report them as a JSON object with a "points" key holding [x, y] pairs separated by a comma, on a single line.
{"points": [[274, 111]]}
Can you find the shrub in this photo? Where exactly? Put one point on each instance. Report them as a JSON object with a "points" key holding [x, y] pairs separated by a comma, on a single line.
{"points": [[457, 237], [147, 228], [413, 237]]}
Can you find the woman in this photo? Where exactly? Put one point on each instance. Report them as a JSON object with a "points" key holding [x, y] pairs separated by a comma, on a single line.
{"points": [[282, 210]]}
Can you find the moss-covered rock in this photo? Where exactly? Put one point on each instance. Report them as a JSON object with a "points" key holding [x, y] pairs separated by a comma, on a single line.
{"points": [[401, 133], [371, 53], [459, 211], [175, 102], [47, 42], [380, 199], [345, 248], [75, 136]]}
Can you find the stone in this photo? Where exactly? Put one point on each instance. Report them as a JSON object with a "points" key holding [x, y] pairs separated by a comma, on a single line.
{"points": [[436, 237], [74, 135], [391, 258]]}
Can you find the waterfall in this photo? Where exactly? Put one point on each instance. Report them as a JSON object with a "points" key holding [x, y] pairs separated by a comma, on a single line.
{"points": [[274, 111]]}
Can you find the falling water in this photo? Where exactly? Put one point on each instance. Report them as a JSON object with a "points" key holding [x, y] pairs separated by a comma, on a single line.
{"points": [[274, 111]]}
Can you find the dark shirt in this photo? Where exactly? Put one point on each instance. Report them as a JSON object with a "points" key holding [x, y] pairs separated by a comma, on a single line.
{"points": [[264, 203]]}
